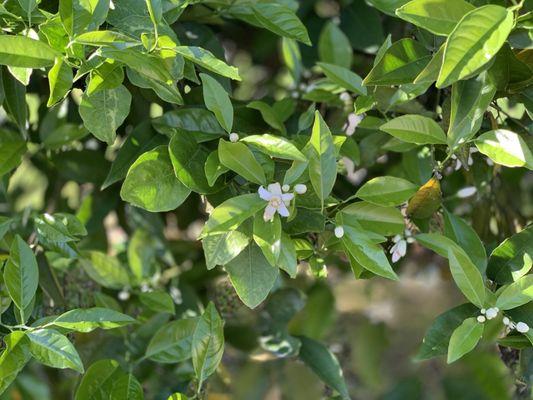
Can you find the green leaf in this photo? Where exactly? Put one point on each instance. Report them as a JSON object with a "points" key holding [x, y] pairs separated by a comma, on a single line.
{"points": [[108, 75], [401, 63], [127, 387], [21, 51], [343, 77], [15, 101], [151, 183], [437, 337], [292, 57], [323, 363], [207, 60], [386, 191], [379, 219], [52, 228], [516, 294], [21, 274], [252, 276], [287, 257], [466, 237], [103, 38], [231, 213], [415, 129], [437, 16], [473, 42], [281, 20], [470, 99], [322, 162], [275, 146], [213, 168], [207, 343], [368, 254], [513, 258], [239, 158], [199, 121], [217, 101], [158, 301], [269, 115], [188, 160], [76, 15], [466, 276], [12, 148], [267, 235], [14, 357], [140, 140], [222, 248], [334, 47], [105, 270], [166, 91], [172, 343], [60, 81], [63, 135], [99, 380], [52, 348], [464, 338], [89, 319], [104, 111], [506, 148]]}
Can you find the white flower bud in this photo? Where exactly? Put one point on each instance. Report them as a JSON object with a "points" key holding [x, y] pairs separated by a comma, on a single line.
{"points": [[300, 188], [466, 192], [481, 319], [522, 327], [123, 295], [491, 313], [285, 188], [345, 96], [506, 321], [483, 311], [233, 137], [339, 231]]}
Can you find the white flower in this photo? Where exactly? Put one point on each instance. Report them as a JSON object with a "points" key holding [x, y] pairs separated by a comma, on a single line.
{"points": [[339, 231], [491, 313], [233, 137], [352, 123], [285, 188], [277, 201], [300, 188], [466, 192], [522, 327], [399, 248], [481, 319]]}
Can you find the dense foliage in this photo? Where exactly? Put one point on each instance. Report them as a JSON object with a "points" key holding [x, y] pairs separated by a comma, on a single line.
{"points": [[180, 180]]}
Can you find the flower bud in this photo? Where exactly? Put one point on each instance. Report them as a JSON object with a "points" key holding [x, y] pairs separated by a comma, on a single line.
{"points": [[339, 231], [300, 188], [285, 188], [481, 319], [233, 137], [522, 327]]}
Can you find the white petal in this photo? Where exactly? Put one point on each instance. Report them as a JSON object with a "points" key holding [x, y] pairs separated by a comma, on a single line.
{"points": [[283, 210], [522, 327], [269, 213], [396, 256], [287, 197], [264, 194], [402, 247], [396, 238], [466, 192], [275, 188], [393, 248]]}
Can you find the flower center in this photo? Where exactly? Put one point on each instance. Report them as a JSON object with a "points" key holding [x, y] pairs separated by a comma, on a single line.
{"points": [[275, 201]]}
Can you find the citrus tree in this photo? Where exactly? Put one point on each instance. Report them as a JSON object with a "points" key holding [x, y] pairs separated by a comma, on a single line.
{"points": [[182, 179]]}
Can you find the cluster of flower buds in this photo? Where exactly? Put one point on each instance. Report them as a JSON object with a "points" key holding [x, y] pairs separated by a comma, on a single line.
{"points": [[491, 313], [488, 314]]}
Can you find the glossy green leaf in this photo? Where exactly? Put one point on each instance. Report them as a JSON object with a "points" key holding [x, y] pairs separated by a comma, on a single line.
{"points": [[464, 338], [473, 42], [281, 20], [213, 168], [268, 114], [76, 15], [267, 235], [415, 129], [13, 358], [437, 16], [334, 47], [199, 121], [401, 63], [466, 276], [323, 363], [52, 348], [172, 343], [287, 258], [158, 301], [252, 276], [103, 38], [99, 380], [89, 319], [21, 274], [239, 158], [386, 191], [217, 100], [506, 148], [221, 248], [127, 387], [21, 51], [322, 162], [275, 146], [104, 111], [188, 159], [105, 270], [207, 60], [151, 183], [12, 148], [379, 219], [516, 294], [343, 77], [207, 343], [60, 81]]}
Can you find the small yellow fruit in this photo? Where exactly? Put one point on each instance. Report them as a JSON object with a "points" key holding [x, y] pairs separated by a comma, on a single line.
{"points": [[426, 200]]}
